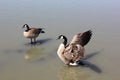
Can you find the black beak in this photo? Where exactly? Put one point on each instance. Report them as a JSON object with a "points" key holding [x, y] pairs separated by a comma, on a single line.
{"points": [[58, 38]]}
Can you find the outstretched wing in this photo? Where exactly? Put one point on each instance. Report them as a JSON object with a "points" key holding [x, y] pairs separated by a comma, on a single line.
{"points": [[75, 50], [82, 38]]}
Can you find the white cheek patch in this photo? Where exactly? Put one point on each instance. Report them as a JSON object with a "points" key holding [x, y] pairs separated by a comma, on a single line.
{"points": [[61, 37], [25, 25]]}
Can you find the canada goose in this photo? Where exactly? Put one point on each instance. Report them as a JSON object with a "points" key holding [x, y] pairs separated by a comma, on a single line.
{"points": [[71, 53], [32, 33]]}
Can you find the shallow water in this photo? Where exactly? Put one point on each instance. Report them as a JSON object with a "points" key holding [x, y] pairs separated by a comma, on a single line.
{"points": [[21, 61]]}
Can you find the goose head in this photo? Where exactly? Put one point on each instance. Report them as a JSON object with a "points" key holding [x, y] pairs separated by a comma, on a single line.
{"points": [[26, 25], [64, 38]]}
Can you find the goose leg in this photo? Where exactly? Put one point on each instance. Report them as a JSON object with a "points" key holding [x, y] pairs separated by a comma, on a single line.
{"points": [[31, 40], [34, 40]]}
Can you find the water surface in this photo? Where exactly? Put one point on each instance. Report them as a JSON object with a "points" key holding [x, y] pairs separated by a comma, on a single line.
{"points": [[21, 61]]}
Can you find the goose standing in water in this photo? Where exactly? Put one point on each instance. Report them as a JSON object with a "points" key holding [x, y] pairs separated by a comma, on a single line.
{"points": [[71, 53], [32, 33]]}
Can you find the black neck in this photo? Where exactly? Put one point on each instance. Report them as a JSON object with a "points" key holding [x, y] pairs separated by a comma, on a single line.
{"points": [[65, 41], [27, 27]]}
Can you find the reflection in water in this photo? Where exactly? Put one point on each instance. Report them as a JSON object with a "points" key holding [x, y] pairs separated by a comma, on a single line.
{"points": [[33, 53], [73, 73], [79, 73], [93, 67], [91, 55], [39, 42], [89, 64], [42, 41]]}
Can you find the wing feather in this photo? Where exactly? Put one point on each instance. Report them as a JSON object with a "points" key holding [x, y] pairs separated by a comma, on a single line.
{"points": [[35, 30], [82, 38]]}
